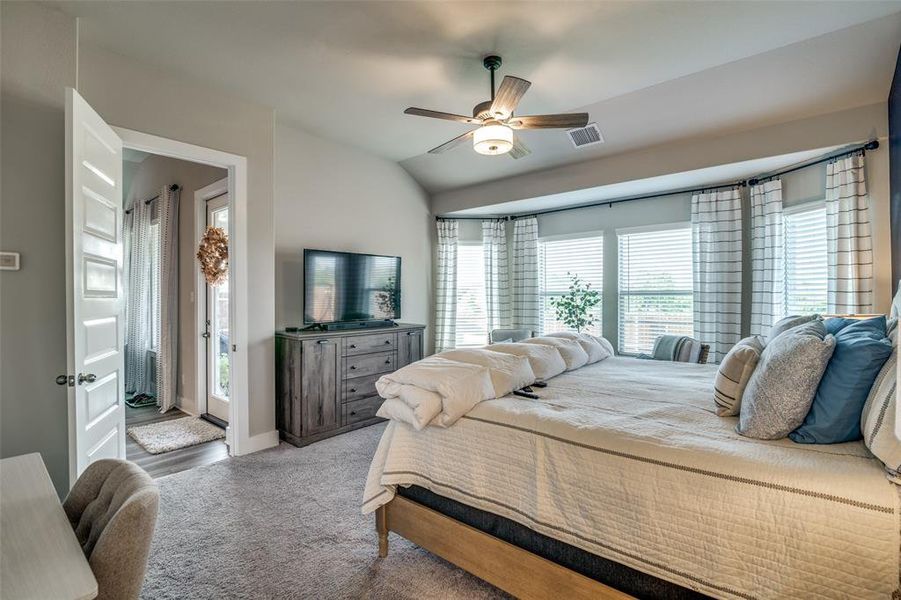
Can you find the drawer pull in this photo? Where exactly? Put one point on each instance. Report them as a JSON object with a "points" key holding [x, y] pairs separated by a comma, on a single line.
{"points": [[322, 342], [353, 345], [353, 412], [353, 390], [388, 342], [353, 367], [388, 361]]}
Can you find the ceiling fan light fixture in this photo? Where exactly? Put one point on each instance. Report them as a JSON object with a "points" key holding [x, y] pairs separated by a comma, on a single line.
{"points": [[492, 139]]}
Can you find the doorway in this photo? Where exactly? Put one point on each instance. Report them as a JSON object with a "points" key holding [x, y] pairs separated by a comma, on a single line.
{"points": [[213, 202]]}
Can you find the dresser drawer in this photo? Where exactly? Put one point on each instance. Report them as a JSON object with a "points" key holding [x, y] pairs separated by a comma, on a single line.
{"points": [[368, 364], [360, 387], [361, 410], [371, 342]]}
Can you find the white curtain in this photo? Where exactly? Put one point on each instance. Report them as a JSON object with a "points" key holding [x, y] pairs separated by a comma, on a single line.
{"points": [[167, 353], [497, 271], [139, 300], [848, 237], [716, 258], [446, 286], [767, 256], [525, 274]]}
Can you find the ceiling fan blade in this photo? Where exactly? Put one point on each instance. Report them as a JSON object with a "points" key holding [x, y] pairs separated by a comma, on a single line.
{"points": [[563, 121], [508, 96], [519, 148], [422, 112], [453, 143]]}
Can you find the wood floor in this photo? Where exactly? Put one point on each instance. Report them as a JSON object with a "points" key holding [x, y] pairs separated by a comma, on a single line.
{"points": [[158, 465]]}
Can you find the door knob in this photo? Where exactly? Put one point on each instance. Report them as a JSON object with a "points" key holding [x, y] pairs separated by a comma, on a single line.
{"points": [[86, 377], [65, 380]]}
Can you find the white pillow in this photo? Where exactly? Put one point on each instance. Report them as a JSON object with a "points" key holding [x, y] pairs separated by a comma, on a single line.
{"points": [[546, 361], [508, 372], [596, 352], [877, 421], [571, 351], [604, 342]]}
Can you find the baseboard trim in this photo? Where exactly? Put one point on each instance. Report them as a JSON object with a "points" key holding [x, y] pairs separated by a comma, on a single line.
{"points": [[261, 441]]}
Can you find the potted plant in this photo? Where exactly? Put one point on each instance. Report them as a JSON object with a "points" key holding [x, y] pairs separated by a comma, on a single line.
{"points": [[574, 307]]}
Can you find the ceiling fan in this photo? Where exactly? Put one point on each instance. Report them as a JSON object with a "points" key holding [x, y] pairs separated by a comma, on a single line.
{"points": [[496, 120]]}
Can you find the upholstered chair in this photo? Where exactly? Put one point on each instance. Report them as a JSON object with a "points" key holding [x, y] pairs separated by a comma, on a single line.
{"points": [[509, 335], [113, 508]]}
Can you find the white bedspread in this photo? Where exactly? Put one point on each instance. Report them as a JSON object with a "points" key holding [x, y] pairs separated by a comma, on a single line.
{"points": [[627, 460]]}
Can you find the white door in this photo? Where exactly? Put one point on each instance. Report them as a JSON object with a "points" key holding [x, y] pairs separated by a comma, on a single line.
{"points": [[95, 299], [217, 338]]}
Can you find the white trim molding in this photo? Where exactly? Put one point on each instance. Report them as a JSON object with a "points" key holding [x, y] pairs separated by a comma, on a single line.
{"points": [[240, 439]]}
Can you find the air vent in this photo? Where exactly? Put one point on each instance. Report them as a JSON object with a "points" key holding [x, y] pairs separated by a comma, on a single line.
{"points": [[585, 136]]}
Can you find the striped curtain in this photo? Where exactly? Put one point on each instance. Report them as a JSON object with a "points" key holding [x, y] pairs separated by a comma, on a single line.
{"points": [[525, 273], [167, 303], [497, 270], [446, 286], [767, 256], [139, 300], [716, 258], [848, 239]]}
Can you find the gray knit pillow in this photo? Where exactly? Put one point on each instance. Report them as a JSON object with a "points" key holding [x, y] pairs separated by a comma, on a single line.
{"points": [[734, 373], [783, 385], [786, 323]]}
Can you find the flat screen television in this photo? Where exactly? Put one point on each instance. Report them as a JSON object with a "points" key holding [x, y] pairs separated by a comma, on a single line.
{"points": [[345, 286]]}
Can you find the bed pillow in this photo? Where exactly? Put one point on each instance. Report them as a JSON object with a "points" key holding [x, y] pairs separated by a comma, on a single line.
{"points": [[877, 421], [861, 350], [508, 371], [734, 373], [782, 387], [573, 354], [786, 323], [546, 361], [592, 347]]}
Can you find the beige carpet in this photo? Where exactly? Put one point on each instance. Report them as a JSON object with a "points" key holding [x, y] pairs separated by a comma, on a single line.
{"points": [[286, 523], [167, 436]]}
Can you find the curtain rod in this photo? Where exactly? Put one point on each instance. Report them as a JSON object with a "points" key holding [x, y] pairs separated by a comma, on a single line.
{"points": [[871, 145], [172, 188], [608, 203]]}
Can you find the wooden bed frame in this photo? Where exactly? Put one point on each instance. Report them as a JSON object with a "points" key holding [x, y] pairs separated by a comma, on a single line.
{"points": [[512, 569]]}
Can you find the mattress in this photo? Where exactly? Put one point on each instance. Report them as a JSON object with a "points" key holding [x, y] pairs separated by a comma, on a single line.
{"points": [[626, 459]]}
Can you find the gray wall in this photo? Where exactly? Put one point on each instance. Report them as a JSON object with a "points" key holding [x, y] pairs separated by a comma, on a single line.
{"points": [[38, 61], [332, 197], [153, 173]]}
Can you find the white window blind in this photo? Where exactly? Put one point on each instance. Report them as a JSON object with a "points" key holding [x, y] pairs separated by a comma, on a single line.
{"points": [[584, 257], [655, 287], [472, 319], [805, 260]]}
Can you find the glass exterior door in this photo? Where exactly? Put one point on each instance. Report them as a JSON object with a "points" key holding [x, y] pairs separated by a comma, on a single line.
{"points": [[217, 325]]}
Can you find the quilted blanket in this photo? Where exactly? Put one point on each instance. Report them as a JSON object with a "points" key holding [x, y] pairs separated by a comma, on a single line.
{"points": [[627, 459]]}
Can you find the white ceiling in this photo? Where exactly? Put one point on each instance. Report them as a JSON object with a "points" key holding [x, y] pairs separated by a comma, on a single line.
{"points": [[649, 72], [687, 180]]}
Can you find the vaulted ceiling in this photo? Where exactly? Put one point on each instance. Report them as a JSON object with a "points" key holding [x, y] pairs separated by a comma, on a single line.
{"points": [[648, 72]]}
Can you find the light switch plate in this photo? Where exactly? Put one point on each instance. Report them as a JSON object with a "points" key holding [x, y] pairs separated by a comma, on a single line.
{"points": [[9, 261]]}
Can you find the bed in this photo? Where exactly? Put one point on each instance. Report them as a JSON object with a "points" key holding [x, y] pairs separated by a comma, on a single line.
{"points": [[626, 461]]}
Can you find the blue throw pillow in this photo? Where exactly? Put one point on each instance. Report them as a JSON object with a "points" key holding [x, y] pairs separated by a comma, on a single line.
{"points": [[836, 324], [860, 351]]}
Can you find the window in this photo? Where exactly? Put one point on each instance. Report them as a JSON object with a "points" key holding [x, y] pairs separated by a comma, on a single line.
{"points": [[582, 256], [155, 285], [805, 260], [472, 319], [655, 286]]}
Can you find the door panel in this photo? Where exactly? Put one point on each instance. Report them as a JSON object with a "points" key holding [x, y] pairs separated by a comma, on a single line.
{"points": [[320, 372], [409, 347], [95, 302], [218, 366]]}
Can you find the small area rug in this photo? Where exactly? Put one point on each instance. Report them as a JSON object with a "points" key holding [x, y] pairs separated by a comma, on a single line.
{"points": [[166, 436], [285, 524]]}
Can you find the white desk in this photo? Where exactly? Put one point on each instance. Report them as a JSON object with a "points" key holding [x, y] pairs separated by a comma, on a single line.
{"points": [[40, 556]]}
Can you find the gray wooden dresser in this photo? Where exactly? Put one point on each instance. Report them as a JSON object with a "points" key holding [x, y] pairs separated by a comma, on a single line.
{"points": [[325, 380]]}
